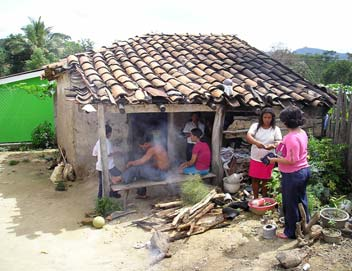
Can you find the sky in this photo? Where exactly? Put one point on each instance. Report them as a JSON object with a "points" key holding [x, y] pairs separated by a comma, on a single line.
{"points": [[264, 24]]}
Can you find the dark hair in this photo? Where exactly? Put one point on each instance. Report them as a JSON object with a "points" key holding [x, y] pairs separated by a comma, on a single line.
{"points": [[196, 113], [108, 129], [265, 111], [148, 138], [197, 132], [292, 117]]}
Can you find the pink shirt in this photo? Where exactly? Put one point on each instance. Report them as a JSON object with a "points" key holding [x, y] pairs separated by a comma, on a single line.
{"points": [[201, 149], [296, 145]]}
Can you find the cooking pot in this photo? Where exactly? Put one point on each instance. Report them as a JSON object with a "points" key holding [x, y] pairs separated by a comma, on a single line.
{"points": [[232, 183]]}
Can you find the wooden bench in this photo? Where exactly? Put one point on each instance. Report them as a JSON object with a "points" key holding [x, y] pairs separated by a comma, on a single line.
{"points": [[171, 179]]}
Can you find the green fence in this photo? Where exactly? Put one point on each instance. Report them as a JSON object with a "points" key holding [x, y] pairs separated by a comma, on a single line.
{"points": [[21, 111]]}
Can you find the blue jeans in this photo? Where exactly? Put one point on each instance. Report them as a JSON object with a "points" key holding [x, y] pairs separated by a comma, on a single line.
{"points": [[294, 192], [192, 171], [147, 172], [113, 172]]}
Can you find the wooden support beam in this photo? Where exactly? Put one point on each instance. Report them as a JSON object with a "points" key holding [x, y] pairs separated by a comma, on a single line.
{"points": [[349, 139], [216, 142], [103, 150], [171, 137]]}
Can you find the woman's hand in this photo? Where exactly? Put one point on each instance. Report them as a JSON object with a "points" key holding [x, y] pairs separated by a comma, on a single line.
{"points": [[272, 160], [260, 145], [269, 146]]}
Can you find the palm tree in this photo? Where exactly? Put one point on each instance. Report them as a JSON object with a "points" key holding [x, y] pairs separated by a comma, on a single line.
{"points": [[40, 36]]}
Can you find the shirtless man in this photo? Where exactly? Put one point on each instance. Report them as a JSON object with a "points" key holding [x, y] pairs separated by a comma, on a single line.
{"points": [[153, 165]]}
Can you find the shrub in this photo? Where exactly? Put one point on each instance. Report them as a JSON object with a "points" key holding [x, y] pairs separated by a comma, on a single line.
{"points": [[13, 162], [327, 168], [106, 206], [43, 136], [274, 186], [193, 190]]}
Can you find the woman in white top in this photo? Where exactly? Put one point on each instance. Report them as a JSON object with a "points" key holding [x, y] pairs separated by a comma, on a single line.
{"points": [[264, 136]]}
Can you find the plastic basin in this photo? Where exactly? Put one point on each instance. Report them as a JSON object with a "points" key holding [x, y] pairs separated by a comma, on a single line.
{"points": [[269, 204]]}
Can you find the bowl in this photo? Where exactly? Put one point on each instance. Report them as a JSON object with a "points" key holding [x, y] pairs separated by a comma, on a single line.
{"points": [[269, 204]]}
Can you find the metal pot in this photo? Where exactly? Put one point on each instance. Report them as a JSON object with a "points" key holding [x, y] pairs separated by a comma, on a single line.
{"points": [[232, 183], [269, 231]]}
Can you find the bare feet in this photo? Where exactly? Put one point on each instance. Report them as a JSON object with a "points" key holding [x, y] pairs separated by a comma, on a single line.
{"points": [[116, 179]]}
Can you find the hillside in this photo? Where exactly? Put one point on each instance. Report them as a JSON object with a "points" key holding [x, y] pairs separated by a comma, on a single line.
{"points": [[316, 51]]}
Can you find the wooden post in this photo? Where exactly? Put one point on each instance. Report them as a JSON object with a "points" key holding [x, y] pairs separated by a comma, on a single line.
{"points": [[171, 137], [349, 139], [338, 118], [216, 142], [103, 150], [343, 127]]}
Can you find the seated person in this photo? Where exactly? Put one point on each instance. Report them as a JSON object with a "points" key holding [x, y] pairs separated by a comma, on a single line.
{"points": [[200, 161], [192, 124], [153, 165]]}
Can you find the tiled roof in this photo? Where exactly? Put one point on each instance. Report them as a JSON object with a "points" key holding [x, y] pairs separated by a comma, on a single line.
{"points": [[160, 68]]}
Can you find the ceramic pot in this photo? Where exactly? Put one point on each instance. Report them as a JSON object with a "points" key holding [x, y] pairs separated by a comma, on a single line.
{"points": [[232, 183], [340, 217], [332, 236]]}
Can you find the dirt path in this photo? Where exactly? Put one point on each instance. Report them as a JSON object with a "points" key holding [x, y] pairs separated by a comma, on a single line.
{"points": [[39, 230]]}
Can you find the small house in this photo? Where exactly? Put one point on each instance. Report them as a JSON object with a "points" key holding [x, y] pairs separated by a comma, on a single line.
{"points": [[152, 83]]}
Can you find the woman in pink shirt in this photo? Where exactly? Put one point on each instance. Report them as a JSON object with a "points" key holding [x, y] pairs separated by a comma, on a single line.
{"points": [[294, 168], [201, 156]]}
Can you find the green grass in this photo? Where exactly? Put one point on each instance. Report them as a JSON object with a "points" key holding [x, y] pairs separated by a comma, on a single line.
{"points": [[193, 190], [13, 162]]}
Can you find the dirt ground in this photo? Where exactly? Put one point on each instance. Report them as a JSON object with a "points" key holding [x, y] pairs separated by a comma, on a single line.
{"points": [[40, 230]]}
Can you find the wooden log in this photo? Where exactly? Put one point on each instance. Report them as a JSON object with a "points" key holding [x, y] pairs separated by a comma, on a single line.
{"points": [[178, 218], [165, 213], [197, 229], [191, 228], [216, 143], [303, 217], [204, 201], [312, 222], [173, 214], [202, 229], [195, 217], [197, 212], [103, 150], [169, 204], [165, 227]]}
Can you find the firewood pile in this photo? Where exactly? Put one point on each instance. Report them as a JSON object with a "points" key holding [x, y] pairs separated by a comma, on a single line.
{"points": [[184, 221]]}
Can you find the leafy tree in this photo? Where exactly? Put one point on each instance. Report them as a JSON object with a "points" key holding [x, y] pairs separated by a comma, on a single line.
{"points": [[37, 46], [17, 51], [339, 72], [38, 59]]}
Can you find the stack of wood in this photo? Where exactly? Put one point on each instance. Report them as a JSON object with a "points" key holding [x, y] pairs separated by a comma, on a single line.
{"points": [[182, 222]]}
